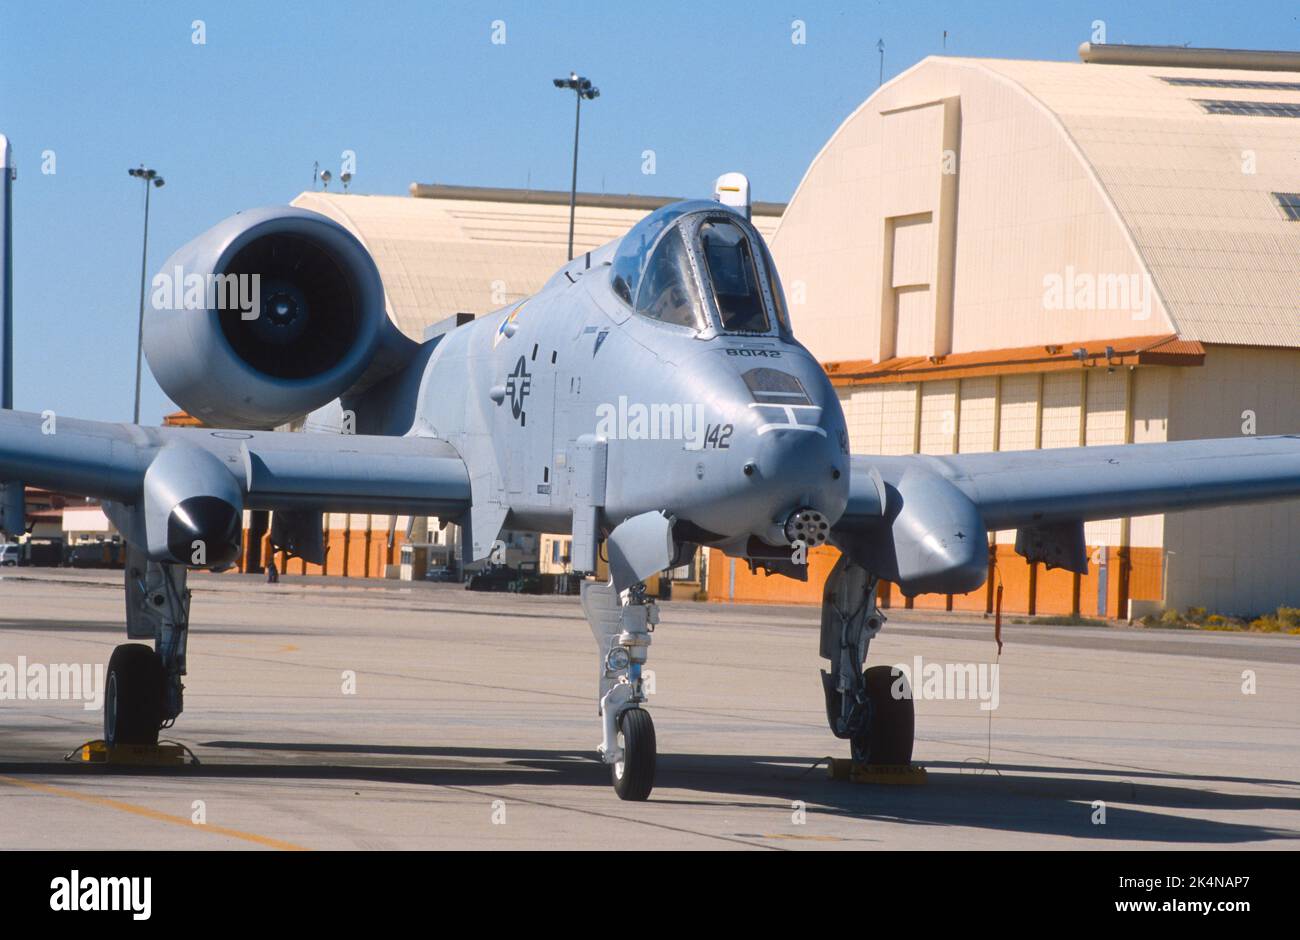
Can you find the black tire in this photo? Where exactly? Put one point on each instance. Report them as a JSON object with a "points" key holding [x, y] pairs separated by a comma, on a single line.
{"points": [[133, 696], [634, 775], [887, 738]]}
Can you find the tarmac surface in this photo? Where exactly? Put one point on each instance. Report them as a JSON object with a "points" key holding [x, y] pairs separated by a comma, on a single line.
{"points": [[473, 724]]}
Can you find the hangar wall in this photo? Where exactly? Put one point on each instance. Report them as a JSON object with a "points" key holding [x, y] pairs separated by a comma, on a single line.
{"points": [[1241, 560], [1002, 198], [1000, 254]]}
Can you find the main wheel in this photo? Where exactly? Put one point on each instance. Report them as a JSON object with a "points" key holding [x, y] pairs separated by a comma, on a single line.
{"points": [[887, 738], [133, 698], [634, 775]]}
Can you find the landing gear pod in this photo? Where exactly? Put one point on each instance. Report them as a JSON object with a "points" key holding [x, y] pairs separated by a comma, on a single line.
{"points": [[193, 509]]}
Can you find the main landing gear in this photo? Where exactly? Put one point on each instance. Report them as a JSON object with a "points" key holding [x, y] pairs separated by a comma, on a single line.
{"points": [[143, 689], [872, 708], [622, 628]]}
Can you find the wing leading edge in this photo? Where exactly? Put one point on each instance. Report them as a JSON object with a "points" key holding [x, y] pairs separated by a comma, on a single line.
{"points": [[273, 470], [1017, 488], [912, 519]]}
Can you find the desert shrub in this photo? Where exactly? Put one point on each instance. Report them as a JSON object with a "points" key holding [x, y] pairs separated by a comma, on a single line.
{"points": [[1289, 618]]}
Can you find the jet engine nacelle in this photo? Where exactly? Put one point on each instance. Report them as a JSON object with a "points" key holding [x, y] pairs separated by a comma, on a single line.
{"points": [[193, 509], [265, 317]]}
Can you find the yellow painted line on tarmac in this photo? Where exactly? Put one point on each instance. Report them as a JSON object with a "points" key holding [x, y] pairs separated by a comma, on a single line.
{"points": [[153, 814]]}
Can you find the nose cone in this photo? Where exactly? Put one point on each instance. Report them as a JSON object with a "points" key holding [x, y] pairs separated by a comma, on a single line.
{"points": [[801, 468], [204, 532], [795, 442], [785, 450]]}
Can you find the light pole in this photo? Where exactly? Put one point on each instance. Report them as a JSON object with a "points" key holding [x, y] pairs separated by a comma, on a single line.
{"points": [[147, 176], [583, 88]]}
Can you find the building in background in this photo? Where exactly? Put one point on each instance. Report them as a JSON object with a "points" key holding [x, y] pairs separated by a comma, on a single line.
{"points": [[1002, 255], [58, 524]]}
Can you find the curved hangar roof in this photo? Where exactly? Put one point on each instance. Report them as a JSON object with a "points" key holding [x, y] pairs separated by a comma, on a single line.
{"points": [[463, 249], [968, 187]]}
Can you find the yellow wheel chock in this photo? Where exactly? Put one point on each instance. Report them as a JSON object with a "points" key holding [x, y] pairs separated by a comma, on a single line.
{"points": [[162, 754], [907, 775]]}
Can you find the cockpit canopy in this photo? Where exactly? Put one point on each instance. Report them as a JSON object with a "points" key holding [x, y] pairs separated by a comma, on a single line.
{"points": [[701, 266]]}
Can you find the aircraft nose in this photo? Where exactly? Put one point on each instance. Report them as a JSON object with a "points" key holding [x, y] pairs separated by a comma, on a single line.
{"points": [[801, 470]]}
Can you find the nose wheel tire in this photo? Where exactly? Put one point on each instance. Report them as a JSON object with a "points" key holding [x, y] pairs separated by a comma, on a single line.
{"points": [[133, 696], [887, 737], [634, 775]]}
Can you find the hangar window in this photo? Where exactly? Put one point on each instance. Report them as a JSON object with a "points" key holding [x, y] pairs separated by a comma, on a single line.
{"points": [[667, 290], [1231, 83], [736, 287], [1250, 108], [1289, 203]]}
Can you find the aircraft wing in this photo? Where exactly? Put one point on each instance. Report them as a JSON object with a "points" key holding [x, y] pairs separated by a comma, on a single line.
{"points": [[911, 518], [270, 469]]}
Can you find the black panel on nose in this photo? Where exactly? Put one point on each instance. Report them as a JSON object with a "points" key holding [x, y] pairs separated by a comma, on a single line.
{"points": [[209, 520]]}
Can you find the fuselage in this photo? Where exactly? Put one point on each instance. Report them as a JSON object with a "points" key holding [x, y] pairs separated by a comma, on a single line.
{"points": [[729, 431]]}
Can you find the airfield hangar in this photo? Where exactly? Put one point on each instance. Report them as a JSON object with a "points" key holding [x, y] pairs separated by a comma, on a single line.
{"points": [[1002, 255], [989, 255]]}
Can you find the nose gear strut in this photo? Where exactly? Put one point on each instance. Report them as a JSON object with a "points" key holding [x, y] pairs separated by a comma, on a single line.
{"points": [[622, 626]]}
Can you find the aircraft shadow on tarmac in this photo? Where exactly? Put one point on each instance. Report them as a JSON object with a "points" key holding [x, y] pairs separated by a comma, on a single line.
{"points": [[1141, 806]]}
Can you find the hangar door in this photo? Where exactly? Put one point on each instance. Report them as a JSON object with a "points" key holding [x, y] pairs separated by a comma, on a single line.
{"points": [[918, 200], [913, 266]]}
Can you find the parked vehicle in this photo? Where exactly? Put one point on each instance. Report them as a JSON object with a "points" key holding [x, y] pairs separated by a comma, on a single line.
{"points": [[43, 552], [10, 554], [521, 580], [98, 554]]}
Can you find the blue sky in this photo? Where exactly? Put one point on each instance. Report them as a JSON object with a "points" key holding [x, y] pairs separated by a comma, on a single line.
{"points": [[420, 92]]}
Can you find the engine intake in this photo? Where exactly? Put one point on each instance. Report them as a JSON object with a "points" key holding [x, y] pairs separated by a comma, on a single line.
{"points": [[265, 317]]}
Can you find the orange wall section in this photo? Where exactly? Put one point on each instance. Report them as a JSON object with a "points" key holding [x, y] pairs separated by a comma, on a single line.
{"points": [[1054, 591]]}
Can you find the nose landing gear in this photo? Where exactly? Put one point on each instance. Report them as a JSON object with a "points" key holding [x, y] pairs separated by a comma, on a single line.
{"points": [[622, 628]]}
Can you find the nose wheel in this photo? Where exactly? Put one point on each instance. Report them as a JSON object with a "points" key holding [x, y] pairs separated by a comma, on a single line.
{"points": [[634, 772]]}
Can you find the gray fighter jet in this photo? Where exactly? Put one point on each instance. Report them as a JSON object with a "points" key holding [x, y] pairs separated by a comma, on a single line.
{"points": [[651, 397]]}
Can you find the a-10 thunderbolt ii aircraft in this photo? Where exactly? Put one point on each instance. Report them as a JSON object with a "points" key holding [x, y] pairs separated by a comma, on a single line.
{"points": [[503, 422]]}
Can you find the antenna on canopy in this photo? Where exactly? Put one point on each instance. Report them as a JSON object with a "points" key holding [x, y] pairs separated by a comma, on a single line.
{"points": [[732, 190]]}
